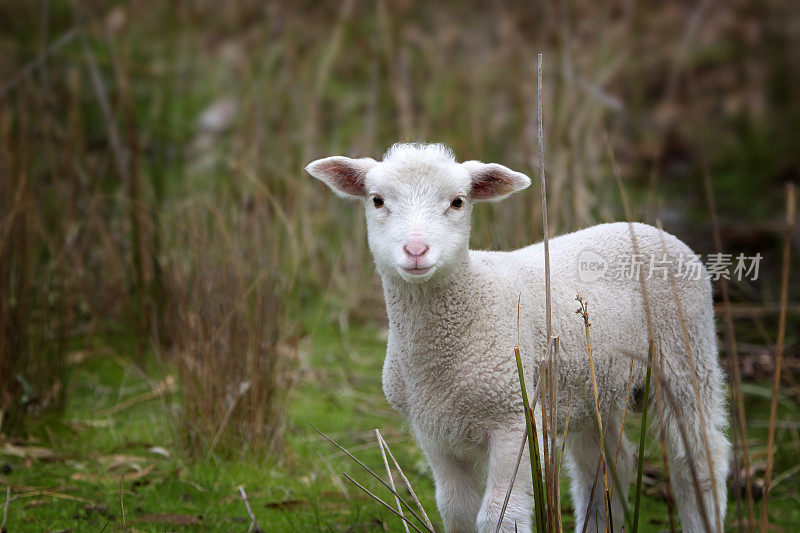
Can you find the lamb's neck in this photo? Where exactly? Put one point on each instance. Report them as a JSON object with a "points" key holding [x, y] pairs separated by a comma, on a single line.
{"points": [[422, 314]]}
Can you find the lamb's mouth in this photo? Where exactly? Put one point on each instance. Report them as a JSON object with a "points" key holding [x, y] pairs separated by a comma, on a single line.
{"points": [[416, 271]]}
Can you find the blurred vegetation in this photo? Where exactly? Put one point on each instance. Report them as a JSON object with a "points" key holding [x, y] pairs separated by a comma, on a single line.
{"points": [[153, 204]]}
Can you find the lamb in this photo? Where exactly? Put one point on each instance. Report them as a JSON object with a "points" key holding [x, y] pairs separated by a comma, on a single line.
{"points": [[453, 326]]}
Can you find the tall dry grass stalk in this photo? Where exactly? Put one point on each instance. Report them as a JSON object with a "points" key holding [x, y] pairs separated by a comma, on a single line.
{"points": [[649, 362], [695, 380], [227, 312], [583, 310], [35, 311], [791, 199], [737, 407]]}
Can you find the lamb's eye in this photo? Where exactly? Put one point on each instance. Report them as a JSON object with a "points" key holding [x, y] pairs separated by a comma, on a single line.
{"points": [[457, 202], [377, 201]]}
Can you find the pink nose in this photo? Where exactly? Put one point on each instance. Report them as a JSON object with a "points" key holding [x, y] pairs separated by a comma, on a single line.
{"points": [[415, 247]]}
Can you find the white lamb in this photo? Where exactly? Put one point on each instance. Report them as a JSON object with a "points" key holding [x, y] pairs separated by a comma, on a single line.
{"points": [[450, 367]]}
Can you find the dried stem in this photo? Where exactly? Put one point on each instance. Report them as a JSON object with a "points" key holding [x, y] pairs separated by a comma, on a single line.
{"points": [[253, 521], [650, 337], [583, 310], [543, 184], [695, 385], [776, 377], [735, 389], [5, 509], [391, 479], [566, 428], [406, 482], [122, 501]]}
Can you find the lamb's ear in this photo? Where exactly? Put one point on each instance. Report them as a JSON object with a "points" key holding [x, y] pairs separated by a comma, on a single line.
{"points": [[345, 176], [493, 182]]}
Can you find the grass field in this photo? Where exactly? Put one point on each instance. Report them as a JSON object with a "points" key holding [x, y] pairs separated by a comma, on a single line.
{"points": [[69, 477]]}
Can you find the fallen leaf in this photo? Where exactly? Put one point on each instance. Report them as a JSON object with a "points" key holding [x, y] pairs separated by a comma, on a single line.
{"points": [[287, 504], [31, 452]]}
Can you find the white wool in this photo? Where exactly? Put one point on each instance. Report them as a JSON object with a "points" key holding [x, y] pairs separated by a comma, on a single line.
{"points": [[450, 368], [419, 153]]}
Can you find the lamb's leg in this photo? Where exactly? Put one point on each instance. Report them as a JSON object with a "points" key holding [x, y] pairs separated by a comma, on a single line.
{"points": [[583, 459], [682, 458], [457, 483], [503, 452]]}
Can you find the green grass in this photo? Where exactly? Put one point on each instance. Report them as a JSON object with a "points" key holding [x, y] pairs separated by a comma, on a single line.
{"points": [[339, 391]]}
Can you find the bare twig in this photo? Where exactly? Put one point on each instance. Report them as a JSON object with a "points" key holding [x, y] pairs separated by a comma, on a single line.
{"points": [[406, 482], [389, 475], [122, 500], [5, 509], [551, 478], [776, 377], [545, 231], [253, 521]]}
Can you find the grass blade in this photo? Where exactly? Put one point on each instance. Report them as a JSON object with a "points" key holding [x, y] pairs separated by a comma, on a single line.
{"points": [[536, 467]]}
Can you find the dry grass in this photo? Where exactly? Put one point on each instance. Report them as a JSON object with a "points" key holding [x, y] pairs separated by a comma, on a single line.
{"points": [[227, 311]]}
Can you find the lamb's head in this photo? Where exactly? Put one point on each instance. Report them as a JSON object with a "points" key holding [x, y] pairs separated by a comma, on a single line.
{"points": [[418, 202]]}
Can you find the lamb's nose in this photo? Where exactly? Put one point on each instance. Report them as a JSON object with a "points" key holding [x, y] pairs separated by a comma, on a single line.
{"points": [[415, 247]]}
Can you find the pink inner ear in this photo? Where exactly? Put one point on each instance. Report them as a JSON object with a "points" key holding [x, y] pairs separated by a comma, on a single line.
{"points": [[344, 177], [489, 184]]}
